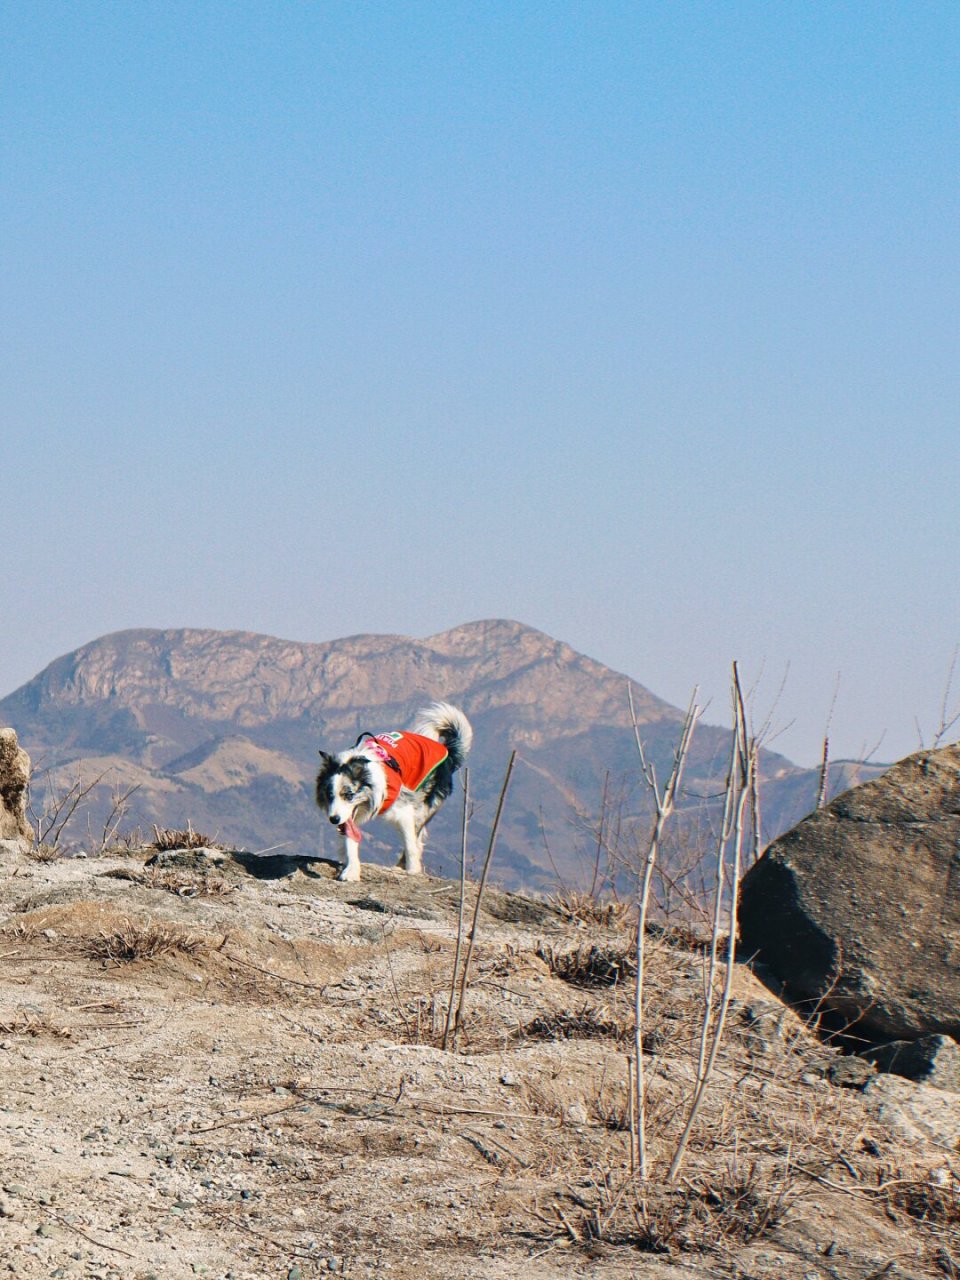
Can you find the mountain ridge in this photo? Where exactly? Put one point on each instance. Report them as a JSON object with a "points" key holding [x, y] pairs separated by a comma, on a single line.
{"points": [[222, 728]]}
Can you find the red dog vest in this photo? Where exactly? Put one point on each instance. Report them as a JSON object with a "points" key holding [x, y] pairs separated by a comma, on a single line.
{"points": [[417, 757]]}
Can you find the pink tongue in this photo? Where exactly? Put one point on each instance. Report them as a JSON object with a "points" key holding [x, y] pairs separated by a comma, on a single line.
{"points": [[350, 830]]}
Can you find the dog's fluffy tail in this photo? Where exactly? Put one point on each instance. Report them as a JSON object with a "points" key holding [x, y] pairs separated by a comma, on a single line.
{"points": [[448, 725]]}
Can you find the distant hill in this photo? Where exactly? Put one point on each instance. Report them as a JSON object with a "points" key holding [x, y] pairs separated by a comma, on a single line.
{"points": [[222, 729]]}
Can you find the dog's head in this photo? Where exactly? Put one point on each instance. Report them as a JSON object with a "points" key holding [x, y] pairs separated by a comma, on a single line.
{"points": [[345, 788]]}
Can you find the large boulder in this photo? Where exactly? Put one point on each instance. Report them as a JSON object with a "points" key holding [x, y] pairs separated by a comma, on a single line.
{"points": [[857, 909], [14, 781]]}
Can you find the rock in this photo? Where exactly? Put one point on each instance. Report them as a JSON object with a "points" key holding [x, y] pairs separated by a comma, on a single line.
{"points": [[200, 859], [850, 1071], [769, 1025], [916, 1112], [14, 780], [857, 909], [933, 1060]]}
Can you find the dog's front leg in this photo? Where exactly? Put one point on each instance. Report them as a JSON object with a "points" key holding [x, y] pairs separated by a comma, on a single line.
{"points": [[351, 867]]}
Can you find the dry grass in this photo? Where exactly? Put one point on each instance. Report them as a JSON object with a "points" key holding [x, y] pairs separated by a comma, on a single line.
{"points": [[586, 1023], [931, 1197], [30, 1024], [586, 909], [166, 838], [422, 1020], [144, 940], [712, 1213], [45, 853], [591, 966], [181, 883], [23, 930]]}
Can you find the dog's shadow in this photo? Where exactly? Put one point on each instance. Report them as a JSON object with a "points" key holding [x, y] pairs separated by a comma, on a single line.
{"points": [[278, 866]]}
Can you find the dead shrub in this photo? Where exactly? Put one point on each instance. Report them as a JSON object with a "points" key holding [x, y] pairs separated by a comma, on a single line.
{"points": [[45, 853], [746, 1201], [586, 1023], [587, 909], [171, 881], [590, 966], [23, 930], [930, 1197], [614, 1210], [29, 1024], [166, 838], [144, 940], [423, 1020], [733, 1206], [612, 1113]]}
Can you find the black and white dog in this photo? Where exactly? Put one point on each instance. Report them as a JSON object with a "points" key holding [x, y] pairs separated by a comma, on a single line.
{"points": [[403, 777]]}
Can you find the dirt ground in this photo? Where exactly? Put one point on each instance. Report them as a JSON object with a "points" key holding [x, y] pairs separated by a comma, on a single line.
{"points": [[233, 1070]]}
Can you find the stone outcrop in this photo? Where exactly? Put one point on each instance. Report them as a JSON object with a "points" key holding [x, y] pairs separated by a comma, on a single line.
{"points": [[14, 781], [932, 1060], [857, 909]]}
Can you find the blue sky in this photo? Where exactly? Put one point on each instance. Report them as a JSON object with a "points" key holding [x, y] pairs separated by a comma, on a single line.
{"points": [[636, 322]]}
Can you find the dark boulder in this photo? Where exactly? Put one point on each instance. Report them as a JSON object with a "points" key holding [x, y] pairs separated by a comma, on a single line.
{"points": [[857, 909]]}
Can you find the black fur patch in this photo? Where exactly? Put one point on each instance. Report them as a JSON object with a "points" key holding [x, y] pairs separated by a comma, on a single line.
{"points": [[440, 784], [357, 770]]}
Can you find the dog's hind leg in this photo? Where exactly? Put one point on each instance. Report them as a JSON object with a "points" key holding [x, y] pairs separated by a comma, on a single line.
{"points": [[412, 857]]}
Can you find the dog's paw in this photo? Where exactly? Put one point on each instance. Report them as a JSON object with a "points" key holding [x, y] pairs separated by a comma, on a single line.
{"points": [[349, 874]]}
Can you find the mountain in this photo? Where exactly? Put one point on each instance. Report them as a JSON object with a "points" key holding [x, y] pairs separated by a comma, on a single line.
{"points": [[221, 729]]}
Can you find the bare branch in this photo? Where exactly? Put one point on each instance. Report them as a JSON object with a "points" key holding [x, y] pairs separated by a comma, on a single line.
{"points": [[664, 808]]}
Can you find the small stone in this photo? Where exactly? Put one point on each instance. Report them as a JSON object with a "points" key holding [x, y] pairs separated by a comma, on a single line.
{"points": [[45, 1230], [294, 1273]]}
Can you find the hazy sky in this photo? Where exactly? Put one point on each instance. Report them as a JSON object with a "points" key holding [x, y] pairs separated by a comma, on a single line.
{"points": [[636, 322]]}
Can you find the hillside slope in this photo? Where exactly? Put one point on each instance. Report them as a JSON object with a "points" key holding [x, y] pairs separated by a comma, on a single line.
{"points": [[207, 1073]]}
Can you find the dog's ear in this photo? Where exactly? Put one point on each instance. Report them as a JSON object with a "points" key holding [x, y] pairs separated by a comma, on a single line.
{"points": [[359, 771], [325, 757]]}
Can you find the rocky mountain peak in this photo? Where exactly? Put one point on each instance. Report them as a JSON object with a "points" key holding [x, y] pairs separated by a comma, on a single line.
{"points": [[223, 727]]}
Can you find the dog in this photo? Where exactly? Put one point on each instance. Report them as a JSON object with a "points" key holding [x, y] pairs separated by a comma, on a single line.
{"points": [[403, 777]]}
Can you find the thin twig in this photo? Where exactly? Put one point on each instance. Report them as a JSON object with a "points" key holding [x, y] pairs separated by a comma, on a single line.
{"points": [[72, 1226], [664, 807], [247, 964], [747, 758], [263, 1115], [946, 721], [461, 911], [600, 832], [726, 830], [458, 1021]]}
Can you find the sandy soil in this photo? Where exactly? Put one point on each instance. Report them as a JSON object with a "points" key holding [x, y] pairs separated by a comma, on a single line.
{"points": [[209, 1072]]}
